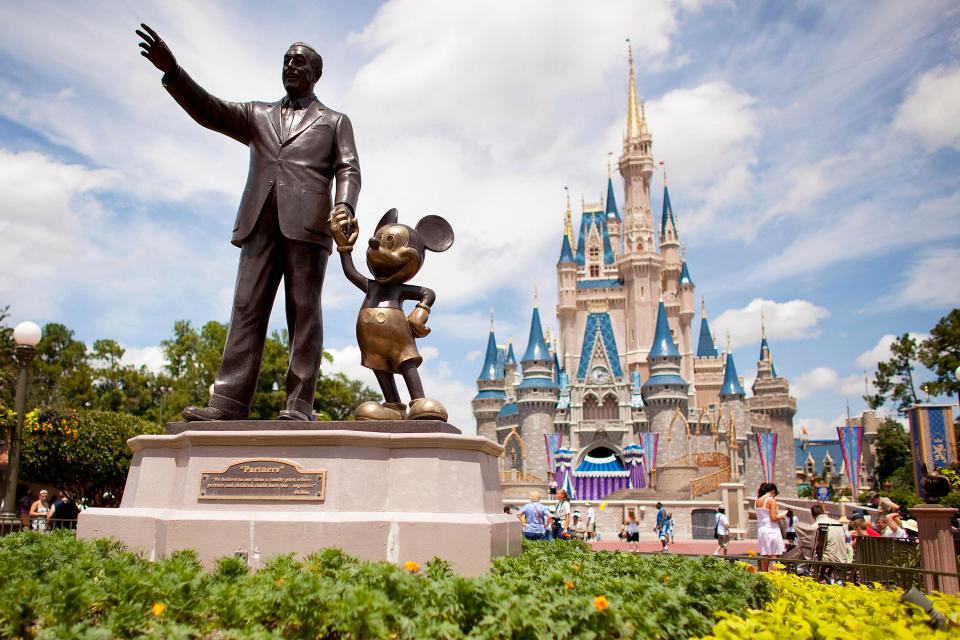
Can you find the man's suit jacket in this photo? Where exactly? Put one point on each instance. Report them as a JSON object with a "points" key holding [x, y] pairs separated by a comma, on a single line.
{"points": [[301, 167]]}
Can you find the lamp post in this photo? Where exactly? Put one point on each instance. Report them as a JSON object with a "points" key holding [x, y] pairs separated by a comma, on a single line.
{"points": [[163, 394], [26, 335]]}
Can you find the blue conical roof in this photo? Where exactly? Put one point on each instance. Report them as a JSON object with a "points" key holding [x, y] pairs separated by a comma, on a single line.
{"points": [[706, 347], [685, 275], [731, 382], [566, 251], [667, 214], [511, 359], [764, 349], [490, 369], [537, 348], [663, 345], [556, 368], [612, 211]]}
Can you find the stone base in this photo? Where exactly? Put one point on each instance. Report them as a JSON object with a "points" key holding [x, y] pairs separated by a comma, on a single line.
{"points": [[388, 496]]}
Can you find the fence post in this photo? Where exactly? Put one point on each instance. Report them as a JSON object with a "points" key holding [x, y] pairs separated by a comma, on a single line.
{"points": [[937, 552]]}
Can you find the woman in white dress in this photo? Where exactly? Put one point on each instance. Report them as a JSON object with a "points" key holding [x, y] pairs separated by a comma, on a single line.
{"points": [[769, 537]]}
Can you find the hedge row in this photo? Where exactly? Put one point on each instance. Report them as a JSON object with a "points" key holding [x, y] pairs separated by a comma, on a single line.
{"points": [[54, 586]]}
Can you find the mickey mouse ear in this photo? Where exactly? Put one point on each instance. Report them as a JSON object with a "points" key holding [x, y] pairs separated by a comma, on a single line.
{"points": [[390, 217], [436, 233]]}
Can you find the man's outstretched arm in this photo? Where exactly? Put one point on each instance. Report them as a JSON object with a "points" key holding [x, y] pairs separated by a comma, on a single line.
{"points": [[228, 118]]}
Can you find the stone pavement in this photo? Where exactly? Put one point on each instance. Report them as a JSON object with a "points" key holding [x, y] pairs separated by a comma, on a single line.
{"points": [[688, 547]]}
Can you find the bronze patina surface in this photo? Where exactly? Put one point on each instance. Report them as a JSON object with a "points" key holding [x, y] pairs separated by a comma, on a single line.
{"points": [[263, 479]]}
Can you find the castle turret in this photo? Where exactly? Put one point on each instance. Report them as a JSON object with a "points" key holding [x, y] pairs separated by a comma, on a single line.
{"points": [[640, 263], [613, 216], [537, 396], [665, 391], [772, 399], [686, 287], [708, 365], [490, 395], [567, 283]]}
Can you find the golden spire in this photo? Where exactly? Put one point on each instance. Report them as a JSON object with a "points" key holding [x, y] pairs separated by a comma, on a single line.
{"points": [[703, 306], [568, 224], [634, 120], [763, 325]]}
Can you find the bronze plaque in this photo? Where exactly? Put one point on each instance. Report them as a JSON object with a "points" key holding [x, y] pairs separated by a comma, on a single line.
{"points": [[263, 479]]}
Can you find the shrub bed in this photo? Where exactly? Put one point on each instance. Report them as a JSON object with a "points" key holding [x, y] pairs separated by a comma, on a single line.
{"points": [[54, 586], [805, 609]]}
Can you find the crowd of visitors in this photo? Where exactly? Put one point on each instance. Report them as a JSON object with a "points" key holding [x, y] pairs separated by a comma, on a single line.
{"points": [[559, 522], [43, 513]]}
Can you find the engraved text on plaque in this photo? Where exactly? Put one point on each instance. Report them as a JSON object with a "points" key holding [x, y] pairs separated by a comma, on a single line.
{"points": [[263, 479]]}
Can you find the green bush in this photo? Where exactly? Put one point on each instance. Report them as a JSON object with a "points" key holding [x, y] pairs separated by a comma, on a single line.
{"points": [[55, 586]]}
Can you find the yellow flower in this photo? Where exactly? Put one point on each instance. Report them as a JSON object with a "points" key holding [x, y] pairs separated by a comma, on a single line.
{"points": [[569, 585], [158, 609], [411, 566], [600, 603], [779, 565], [752, 553], [666, 578]]}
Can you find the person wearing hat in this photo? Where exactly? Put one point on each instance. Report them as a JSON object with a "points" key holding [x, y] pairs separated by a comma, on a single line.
{"points": [[910, 526]]}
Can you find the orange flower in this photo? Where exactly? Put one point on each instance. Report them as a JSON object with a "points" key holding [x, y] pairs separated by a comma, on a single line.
{"points": [[411, 566], [158, 608], [752, 553], [600, 603], [569, 585], [666, 578]]}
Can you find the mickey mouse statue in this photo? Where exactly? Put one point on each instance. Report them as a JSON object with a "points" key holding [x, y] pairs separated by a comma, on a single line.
{"points": [[395, 254]]}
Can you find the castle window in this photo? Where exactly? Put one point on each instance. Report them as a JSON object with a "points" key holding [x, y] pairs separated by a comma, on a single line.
{"points": [[594, 271], [594, 253]]}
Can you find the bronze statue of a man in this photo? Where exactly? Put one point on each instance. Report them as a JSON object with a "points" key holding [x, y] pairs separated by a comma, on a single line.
{"points": [[297, 147]]}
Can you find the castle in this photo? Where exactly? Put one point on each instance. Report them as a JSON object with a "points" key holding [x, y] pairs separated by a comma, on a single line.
{"points": [[630, 402]]}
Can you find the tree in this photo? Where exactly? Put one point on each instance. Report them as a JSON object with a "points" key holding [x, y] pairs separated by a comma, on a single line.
{"points": [[941, 354], [8, 363], [83, 452], [894, 378], [893, 449]]}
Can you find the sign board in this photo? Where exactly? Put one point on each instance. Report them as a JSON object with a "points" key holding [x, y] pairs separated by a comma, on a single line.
{"points": [[263, 479], [932, 440]]}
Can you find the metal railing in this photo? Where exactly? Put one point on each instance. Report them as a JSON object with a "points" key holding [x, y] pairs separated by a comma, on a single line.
{"points": [[40, 525], [887, 576], [709, 483]]}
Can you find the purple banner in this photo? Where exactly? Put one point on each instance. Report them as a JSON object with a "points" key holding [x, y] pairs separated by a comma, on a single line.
{"points": [[767, 450], [851, 446]]}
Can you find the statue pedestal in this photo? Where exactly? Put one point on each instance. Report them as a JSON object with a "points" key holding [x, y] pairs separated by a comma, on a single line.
{"points": [[732, 498], [936, 545], [233, 488]]}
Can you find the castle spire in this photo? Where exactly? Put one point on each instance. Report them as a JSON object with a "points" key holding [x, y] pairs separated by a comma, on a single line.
{"points": [[489, 370], [612, 212], [537, 348], [568, 220], [764, 346], [731, 382], [667, 219], [663, 344], [706, 348], [635, 121]]}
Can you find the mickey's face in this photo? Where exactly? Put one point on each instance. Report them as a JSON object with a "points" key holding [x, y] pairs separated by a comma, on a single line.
{"points": [[390, 256]]}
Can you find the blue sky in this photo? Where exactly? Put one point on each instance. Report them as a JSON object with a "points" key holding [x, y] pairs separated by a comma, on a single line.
{"points": [[813, 153]]}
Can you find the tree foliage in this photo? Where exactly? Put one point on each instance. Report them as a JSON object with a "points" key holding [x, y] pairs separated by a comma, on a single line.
{"points": [[940, 353], [82, 452], [893, 449], [69, 375]]}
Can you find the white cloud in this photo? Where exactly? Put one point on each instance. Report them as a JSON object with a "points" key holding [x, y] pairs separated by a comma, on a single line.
{"points": [[706, 136], [931, 111], [880, 352], [817, 379], [472, 356], [790, 320], [932, 281], [854, 386], [150, 357]]}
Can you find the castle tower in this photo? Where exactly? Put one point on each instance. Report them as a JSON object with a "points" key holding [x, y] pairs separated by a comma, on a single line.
{"points": [[665, 391], [510, 367], [708, 365], [669, 245], [614, 222], [537, 397], [640, 264], [567, 286], [685, 316], [734, 425], [490, 396], [772, 399]]}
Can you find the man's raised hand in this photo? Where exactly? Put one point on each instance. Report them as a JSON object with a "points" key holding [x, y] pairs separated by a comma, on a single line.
{"points": [[156, 50]]}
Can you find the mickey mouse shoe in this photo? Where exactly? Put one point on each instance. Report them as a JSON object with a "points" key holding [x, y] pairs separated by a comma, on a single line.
{"points": [[427, 409], [377, 411]]}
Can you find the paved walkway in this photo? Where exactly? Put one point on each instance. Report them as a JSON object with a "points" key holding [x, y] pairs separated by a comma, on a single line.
{"points": [[689, 547]]}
